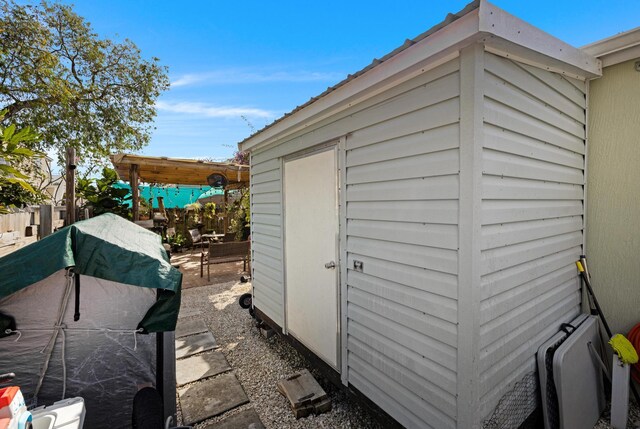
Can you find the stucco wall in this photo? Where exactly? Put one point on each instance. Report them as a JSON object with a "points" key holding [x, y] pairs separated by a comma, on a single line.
{"points": [[613, 194]]}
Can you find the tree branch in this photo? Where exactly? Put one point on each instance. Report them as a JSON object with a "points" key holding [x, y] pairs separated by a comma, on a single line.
{"points": [[17, 106]]}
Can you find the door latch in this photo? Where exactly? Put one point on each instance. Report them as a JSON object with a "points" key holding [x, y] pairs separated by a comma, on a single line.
{"points": [[330, 265]]}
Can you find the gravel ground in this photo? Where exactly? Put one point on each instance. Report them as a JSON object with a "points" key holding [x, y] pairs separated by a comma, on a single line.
{"points": [[259, 363], [633, 421]]}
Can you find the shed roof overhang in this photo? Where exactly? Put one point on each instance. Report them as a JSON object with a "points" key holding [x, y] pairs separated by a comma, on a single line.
{"points": [[479, 22], [616, 49], [178, 171]]}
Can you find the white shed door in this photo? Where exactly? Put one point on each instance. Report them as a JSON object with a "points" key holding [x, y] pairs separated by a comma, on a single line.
{"points": [[311, 251]]}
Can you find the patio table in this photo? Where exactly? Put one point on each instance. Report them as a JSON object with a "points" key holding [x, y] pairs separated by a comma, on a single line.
{"points": [[212, 237]]}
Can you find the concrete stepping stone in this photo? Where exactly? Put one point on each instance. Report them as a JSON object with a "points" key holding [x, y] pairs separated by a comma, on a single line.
{"points": [[190, 327], [195, 344], [210, 398], [247, 419], [205, 365], [188, 312]]}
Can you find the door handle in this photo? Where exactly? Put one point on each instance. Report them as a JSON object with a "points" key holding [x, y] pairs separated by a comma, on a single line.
{"points": [[330, 265]]}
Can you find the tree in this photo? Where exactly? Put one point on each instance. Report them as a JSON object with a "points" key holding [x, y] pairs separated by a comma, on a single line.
{"points": [[12, 195], [15, 188], [73, 87], [102, 196], [239, 157]]}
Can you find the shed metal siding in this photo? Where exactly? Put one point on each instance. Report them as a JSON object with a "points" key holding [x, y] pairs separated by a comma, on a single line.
{"points": [[401, 207], [266, 238], [402, 188], [532, 207], [402, 210]]}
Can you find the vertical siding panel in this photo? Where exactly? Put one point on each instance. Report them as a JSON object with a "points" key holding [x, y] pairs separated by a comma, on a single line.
{"points": [[342, 216], [532, 208], [471, 142], [266, 235]]}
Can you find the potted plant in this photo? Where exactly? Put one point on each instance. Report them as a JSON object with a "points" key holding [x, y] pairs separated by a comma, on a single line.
{"points": [[176, 242], [193, 211]]}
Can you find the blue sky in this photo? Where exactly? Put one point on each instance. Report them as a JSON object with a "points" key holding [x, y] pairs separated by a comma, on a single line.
{"points": [[236, 65]]}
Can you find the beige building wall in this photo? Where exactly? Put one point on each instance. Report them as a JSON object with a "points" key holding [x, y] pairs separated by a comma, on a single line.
{"points": [[613, 194]]}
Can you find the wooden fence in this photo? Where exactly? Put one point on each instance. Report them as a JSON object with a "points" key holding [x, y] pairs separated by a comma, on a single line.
{"points": [[15, 222], [26, 226], [13, 231]]}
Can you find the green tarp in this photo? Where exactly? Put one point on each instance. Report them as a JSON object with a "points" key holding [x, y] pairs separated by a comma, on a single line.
{"points": [[107, 247]]}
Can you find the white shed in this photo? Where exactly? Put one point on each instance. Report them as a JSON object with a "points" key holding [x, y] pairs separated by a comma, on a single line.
{"points": [[416, 226]]}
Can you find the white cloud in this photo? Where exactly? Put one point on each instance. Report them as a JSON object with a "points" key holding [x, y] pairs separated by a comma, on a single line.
{"points": [[238, 76], [209, 111]]}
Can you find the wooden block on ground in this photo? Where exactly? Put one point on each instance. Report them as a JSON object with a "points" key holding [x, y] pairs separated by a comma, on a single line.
{"points": [[210, 398], [267, 332], [190, 327], [304, 394], [202, 366], [247, 419], [195, 344], [322, 406]]}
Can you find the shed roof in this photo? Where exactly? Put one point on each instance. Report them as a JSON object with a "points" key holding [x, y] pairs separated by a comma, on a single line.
{"points": [[616, 49], [153, 169], [479, 21]]}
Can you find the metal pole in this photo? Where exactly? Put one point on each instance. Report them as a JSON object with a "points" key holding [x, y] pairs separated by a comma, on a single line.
{"points": [[70, 178], [226, 212]]}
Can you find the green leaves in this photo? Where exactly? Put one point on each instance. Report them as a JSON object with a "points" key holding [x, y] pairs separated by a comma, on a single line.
{"points": [[22, 183], [8, 132], [11, 173], [14, 157], [75, 88], [102, 196]]}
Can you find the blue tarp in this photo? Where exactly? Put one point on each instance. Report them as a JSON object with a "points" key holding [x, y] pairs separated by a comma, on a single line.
{"points": [[173, 196]]}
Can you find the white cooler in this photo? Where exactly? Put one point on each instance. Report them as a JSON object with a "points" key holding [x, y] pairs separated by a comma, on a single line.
{"points": [[65, 414]]}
